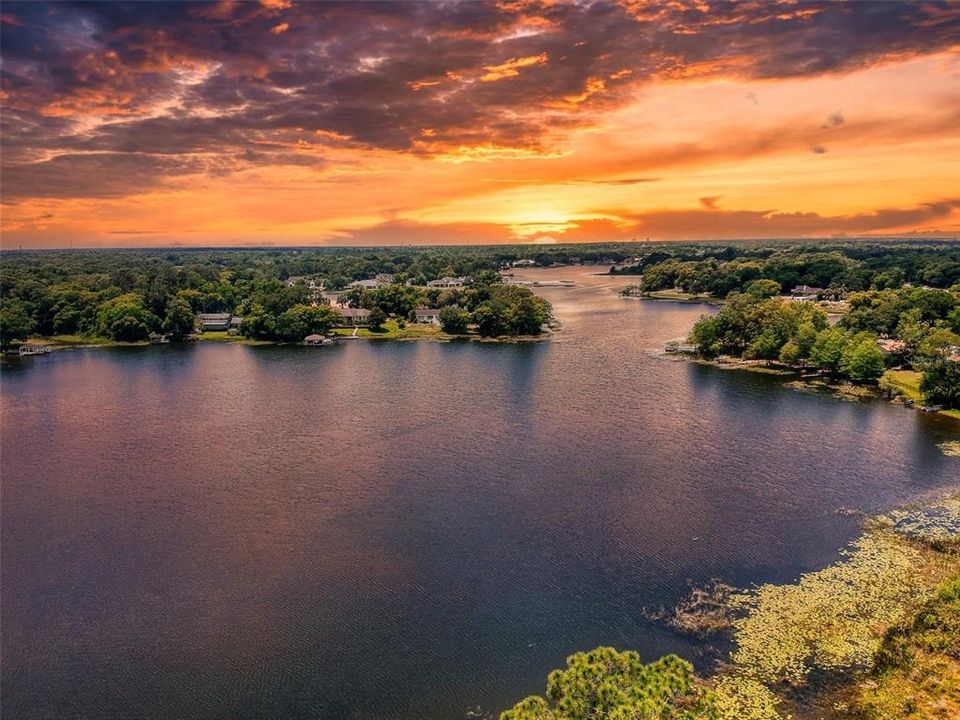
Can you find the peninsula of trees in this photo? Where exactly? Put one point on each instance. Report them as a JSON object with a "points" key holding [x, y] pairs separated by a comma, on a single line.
{"points": [[282, 295]]}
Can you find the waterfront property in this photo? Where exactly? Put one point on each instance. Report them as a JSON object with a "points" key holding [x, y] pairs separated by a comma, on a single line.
{"points": [[888, 346], [213, 321], [427, 315], [364, 284], [355, 316], [311, 283], [805, 293], [447, 282]]}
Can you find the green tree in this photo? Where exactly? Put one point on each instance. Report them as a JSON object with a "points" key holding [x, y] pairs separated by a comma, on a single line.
{"points": [[490, 322], [704, 336], [179, 319], [790, 353], [861, 359], [377, 318], [805, 337], [763, 288], [604, 684], [15, 323], [940, 384], [453, 320], [827, 350], [299, 321], [125, 318], [938, 343], [526, 316]]}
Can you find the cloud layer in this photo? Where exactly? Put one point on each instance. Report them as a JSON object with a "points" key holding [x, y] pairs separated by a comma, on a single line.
{"points": [[111, 99]]}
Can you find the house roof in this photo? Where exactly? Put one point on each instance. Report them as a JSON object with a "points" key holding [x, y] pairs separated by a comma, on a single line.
{"points": [[426, 311], [313, 338], [214, 317], [891, 346], [354, 312], [806, 289]]}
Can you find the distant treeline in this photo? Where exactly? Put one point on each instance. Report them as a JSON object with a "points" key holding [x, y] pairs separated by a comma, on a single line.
{"points": [[837, 268]]}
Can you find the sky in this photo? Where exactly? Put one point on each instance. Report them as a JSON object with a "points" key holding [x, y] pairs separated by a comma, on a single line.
{"points": [[304, 123]]}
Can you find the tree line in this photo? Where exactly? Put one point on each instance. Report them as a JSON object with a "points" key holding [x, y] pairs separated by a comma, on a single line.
{"points": [[128, 295], [922, 326], [836, 269]]}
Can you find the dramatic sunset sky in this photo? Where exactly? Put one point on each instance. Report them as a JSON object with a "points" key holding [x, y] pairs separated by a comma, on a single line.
{"points": [[279, 122]]}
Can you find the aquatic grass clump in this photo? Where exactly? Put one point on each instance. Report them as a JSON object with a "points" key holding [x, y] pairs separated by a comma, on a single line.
{"points": [[743, 698], [950, 448], [830, 619], [937, 525]]}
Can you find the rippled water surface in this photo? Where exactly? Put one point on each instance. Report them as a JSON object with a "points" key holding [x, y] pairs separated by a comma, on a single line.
{"points": [[404, 530]]}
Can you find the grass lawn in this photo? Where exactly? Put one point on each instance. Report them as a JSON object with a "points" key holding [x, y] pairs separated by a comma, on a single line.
{"points": [[392, 331], [681, 296], [79, 341], [907, 383], [224, 336]]}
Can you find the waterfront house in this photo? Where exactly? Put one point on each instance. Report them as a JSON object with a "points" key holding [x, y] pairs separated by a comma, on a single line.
{"points": [[364, 284], [235, 322], [213, 321], [447, 282], [355, 316], [805, 293], [891, 347], [427, 315], [526, 262], [312, 285]]}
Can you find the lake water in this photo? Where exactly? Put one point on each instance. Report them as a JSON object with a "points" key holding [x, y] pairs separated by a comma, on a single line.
{"points": [[405, 531]]}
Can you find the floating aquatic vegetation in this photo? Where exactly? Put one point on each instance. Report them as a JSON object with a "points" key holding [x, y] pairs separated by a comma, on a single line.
{"points": [[950, 447], [933, 524], [743, 698], [829, 619]]}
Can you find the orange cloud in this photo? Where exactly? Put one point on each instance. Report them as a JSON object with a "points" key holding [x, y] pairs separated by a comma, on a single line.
{"points": [[511, 68]]}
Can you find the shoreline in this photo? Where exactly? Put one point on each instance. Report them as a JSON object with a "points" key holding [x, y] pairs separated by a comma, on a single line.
{"points": [[819, 385], [52, 344]]}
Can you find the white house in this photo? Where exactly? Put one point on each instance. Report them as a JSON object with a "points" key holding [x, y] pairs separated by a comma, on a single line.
{"points": [[427, 315]]}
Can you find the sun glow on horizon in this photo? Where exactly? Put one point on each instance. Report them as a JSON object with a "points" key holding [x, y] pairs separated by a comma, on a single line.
{"points": [[559, 129]]}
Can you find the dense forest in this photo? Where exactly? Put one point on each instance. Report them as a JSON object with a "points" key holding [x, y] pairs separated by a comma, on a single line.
{"points": [[127, 295], [835, 268]]}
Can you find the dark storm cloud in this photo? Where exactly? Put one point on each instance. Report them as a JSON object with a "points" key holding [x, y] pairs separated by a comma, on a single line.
{"points": [[177, 79]]}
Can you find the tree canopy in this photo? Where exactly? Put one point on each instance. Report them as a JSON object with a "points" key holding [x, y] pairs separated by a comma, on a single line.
{"points": [[604, 684]]}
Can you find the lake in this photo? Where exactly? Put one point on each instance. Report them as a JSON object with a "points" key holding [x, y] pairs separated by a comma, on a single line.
{"points": [[406, 530]]}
